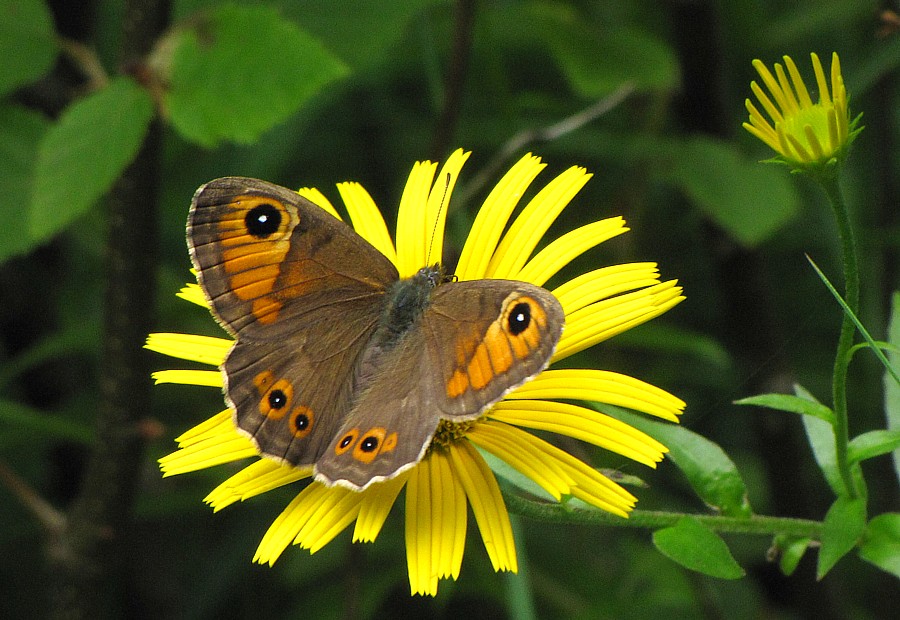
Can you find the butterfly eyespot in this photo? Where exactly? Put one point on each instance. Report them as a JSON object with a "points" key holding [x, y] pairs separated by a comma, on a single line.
{"points": [[519, 318], [346, 441], [263, 220], [301, 421], [277, 399], [368, 447]]}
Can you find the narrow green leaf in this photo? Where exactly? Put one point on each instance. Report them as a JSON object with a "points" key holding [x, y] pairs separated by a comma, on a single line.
{"points": [[241, 70], [27, 42], [792, 404], [712, 474], [20, 417], [21, 132], [694, 546], [85, 152], [891, 389], [881, 543], [843, 526], [791, 552], [859, 326], [727, 187], [821, 439], [871, 444]]}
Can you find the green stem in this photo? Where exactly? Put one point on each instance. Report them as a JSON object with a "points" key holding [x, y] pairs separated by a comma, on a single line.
{"points": [[829, 181], [653, 520]]}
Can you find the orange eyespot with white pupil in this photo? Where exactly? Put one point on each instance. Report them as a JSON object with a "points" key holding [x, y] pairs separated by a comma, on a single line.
{"points": [[367, 446], [512, 337]]}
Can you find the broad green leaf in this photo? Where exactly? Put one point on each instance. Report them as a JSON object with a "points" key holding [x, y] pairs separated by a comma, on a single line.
{"points": [[694, 546], [27, 42], [710, 471], [792, 404], [844, 525], [360, 33], [881, 543], [871, 444], [85, 152], [791, 552], [21, 132], [239, 71], [748, 200], [891, 389], [628, 55], [821, 439], [20, 417]]}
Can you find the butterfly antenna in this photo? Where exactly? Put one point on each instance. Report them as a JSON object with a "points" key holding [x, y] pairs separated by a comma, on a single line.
{"points": [[438, 218]]}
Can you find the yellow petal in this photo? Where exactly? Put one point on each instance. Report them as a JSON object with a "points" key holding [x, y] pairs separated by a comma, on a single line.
{"points": [[411, 219], [367, 219], [257, 478], [603, 320], [603, 387], [492, 217], [581, 423], [318, 198], [527, 230], [203, 349], [487, 504], [376, 504], [568, 247], [603, 283], [206, 378], [194, 294]]}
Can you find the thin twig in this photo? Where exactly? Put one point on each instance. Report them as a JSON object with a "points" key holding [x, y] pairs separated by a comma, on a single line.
{"points": [[518, 142], [85, 58], [49, 517], [454, 84]]}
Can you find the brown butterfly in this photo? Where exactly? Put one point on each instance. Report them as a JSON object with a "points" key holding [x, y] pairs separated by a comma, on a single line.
{"points": [[338, 363]]}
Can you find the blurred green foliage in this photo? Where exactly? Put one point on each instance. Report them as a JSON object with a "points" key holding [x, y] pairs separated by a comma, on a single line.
{"points": [[316, 92]]}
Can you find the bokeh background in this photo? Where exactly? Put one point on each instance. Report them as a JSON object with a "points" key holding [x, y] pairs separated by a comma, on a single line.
{"points": [[649, 96]]}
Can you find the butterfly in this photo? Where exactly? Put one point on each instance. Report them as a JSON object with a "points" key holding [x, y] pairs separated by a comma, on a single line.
{"points": [[338, 363]]}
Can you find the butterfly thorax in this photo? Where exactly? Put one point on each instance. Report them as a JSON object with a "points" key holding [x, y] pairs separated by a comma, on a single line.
{"points": [[406, 301]]}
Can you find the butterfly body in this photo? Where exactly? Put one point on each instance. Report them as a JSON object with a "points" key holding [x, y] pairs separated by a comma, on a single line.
{"points": [[338, 363]]}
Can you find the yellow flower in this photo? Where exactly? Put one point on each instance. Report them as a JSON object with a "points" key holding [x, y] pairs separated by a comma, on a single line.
{"points": [[805, 134], [454, 474]]}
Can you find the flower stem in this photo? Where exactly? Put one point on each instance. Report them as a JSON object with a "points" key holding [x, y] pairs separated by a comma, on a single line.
{"points": [[829, 181], [651, 519]]}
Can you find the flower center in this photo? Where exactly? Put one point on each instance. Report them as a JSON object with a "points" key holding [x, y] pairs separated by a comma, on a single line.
{"points": [[448, 432], [815, 117]]}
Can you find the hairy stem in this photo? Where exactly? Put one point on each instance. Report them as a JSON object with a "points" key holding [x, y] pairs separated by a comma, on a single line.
{"points": [[832, 188], [646, 519]]}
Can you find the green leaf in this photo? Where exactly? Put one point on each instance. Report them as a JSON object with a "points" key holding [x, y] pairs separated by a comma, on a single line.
{"points": [[85, 152], [21, 418], [751, 202], [240, 71], [891, 389], [712, 474], [844, 525], [791, 552], [628, 55], [871, 444], [881, 543], [360, 33], [21, 132], [792, 404], [821, 439], [27, 42], [873, 345], [694, 546]]}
